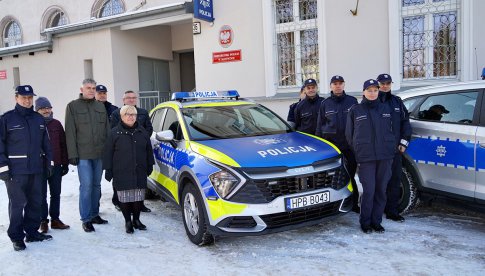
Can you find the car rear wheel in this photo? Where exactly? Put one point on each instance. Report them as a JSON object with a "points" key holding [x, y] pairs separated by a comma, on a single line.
{"points": [[194, 216], [409, 192]]}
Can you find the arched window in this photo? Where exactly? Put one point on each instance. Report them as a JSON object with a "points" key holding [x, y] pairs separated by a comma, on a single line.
{"points": [[12, 35], [58, 18], [110, 7]]}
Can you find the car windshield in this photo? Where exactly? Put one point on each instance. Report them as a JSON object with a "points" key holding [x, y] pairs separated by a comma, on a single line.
{"points": [[221, 122]]}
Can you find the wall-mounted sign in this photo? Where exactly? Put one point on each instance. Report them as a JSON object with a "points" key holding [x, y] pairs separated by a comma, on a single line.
{"points": [[226, 36], [3, 74], [228, 56], [203, 9], [196, 28]]}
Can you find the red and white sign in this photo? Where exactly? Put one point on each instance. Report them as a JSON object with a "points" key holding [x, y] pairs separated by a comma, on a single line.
{"points": [[226, 36], [228, 56], [3, 74]]}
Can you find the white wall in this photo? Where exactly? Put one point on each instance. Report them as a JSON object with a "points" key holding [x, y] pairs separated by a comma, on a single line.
{"points": [[246, 76]]}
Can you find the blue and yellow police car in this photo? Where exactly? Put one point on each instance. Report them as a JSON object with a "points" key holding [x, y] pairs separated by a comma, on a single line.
{"points": [[236, 168], [446, 155]]}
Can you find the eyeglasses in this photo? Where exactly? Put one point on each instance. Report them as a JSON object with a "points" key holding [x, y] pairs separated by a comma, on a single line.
{"points": [[130, 114]]}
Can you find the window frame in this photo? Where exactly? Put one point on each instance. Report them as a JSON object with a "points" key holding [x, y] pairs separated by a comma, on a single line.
{"points": [[422, 98], [99, 5], [6, 23]]}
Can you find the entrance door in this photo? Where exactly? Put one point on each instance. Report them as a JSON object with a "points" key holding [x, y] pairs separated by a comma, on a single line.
{"points": [[187, 71], [154, 81]]}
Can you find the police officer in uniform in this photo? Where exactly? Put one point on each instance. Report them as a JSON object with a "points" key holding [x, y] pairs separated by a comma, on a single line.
{"points": [[402, 132], [331, 123], [369, 133], [291, 111], [306, 111], [25, 153]]}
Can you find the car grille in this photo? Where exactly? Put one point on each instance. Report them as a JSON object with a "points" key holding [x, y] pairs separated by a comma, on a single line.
{"points": [[266, 190], [300, 216]]}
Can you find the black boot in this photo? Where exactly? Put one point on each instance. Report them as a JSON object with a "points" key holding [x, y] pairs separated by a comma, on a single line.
{"points": [[138, 225], [18, 245], [129, 227]]}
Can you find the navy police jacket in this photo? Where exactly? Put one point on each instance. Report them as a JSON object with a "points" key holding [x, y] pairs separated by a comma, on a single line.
{"points": [[332, 119], [24, 142], [400, 117], [369, 131], [306, 114]]}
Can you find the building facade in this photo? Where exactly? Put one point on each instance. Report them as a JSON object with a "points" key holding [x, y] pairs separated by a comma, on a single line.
{"points": [[262, 48]]}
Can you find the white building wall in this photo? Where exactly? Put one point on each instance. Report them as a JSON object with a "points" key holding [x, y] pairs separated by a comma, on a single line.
{"points": [[246, 76]]}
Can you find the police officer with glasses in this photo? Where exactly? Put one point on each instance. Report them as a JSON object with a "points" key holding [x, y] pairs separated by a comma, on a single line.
{"points": [[402, 132], [25, 153]]}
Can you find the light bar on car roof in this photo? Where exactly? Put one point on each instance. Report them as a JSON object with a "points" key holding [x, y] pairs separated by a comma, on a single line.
{"points": [[180, 96]]}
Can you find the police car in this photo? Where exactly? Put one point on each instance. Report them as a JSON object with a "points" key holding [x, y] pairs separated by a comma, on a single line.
{"points": [[236, 168], [446, 155]]}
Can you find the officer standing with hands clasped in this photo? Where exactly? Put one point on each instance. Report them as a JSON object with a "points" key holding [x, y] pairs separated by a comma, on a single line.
{"points": [[331, 123], [402, 132], [25, 153], [306, 112], [369, 133]]}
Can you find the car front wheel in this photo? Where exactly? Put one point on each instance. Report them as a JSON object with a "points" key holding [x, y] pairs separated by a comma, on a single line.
{"points": [[194, 217]]}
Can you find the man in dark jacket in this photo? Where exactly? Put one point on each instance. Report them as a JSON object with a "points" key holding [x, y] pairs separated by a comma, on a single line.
{"points": [[331, 123], [101, 96], [402, 133], [25, 154], [57, 139], [369, 133], [306, 111], [143, 120], [291, 111], [87, 128]]}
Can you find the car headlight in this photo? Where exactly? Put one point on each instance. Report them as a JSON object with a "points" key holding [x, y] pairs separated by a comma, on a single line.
{"points": [[224, 182]]}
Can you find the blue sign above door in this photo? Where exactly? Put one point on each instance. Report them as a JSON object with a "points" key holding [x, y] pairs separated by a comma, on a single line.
{"points": [[203, 10]]}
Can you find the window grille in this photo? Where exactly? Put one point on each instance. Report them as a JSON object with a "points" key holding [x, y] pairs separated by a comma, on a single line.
{"points": [[296, 37], [111, 7], [429, 39], [12, 34]]}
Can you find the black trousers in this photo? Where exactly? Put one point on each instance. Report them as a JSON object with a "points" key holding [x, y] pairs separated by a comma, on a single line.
{"points": [[374, 176], [351, 166], [24, 206], [393, 187]]}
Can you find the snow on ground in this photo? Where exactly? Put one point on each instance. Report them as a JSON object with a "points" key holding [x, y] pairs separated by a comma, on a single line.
{"points": [[432, 241]]}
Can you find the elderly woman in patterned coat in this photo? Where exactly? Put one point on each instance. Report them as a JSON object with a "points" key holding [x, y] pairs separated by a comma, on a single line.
{"points": [[128, 160]]}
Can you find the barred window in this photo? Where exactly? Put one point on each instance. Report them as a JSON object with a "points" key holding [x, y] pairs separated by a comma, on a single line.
{"points": [[296, 41], [429, 39], [111, 7], [12, 35]]}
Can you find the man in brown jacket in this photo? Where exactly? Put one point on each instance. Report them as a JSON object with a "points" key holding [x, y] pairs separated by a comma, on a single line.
{"points": [[87, 128]]}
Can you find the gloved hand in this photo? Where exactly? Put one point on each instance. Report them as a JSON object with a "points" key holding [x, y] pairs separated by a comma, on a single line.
{"points": [[65, 169], [74, 161], [108, 175], [5, 176], [149, 170]]}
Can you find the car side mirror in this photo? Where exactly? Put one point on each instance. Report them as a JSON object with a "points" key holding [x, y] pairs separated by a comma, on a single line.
{"points": [[164, 136]]}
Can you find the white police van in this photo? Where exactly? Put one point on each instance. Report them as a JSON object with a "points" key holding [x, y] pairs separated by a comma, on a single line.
{"points": [[236, 168], [446, 156]]}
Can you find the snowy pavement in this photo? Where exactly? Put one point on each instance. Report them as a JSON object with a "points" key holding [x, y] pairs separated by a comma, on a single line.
{"points": [[432, 241]]}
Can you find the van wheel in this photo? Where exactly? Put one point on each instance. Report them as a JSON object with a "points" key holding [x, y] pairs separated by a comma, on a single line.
{"points": [[193, 214], [409, 192]]}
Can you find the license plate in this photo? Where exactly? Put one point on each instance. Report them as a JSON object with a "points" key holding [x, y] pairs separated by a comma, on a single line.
{"points": [[308, 200]]}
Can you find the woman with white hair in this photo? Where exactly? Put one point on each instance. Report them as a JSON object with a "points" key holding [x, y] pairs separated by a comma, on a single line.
{"points": [[128, 160]]}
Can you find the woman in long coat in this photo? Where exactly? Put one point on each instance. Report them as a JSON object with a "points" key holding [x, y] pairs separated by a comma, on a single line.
{"points": [[128, 160]]}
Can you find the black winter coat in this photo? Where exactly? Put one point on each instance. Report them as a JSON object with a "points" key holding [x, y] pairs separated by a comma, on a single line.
{"points": [[129, 156], [306, 114], [400, 117], [332, 119], [369, 131]]}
